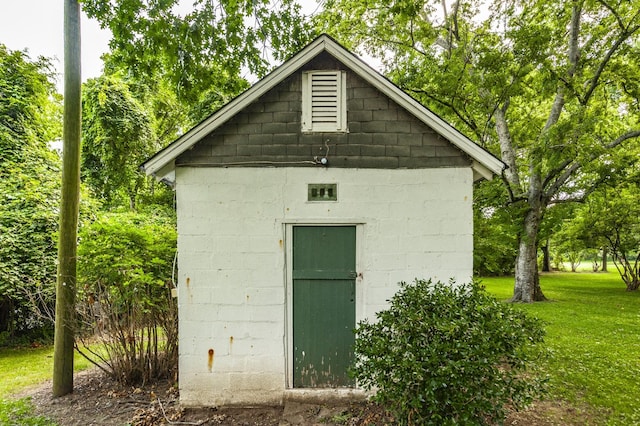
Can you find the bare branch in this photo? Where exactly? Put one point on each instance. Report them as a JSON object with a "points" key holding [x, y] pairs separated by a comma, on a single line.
{"points": [[574, 53], [512, 197], [614, 13], [574, 166], [612, 50], [629, 135]]}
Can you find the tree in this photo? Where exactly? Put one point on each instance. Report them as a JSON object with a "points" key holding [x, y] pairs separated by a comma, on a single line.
{"points": [[551, 87], [118, 137], [200, 54], [29, 190], [69, 205], [612, 215]]}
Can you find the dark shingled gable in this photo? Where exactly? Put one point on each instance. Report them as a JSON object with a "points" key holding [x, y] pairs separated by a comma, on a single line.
{"points": [[268, 132]]}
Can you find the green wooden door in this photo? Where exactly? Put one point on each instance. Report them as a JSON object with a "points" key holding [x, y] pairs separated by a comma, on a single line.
{"points": [[323, 305]]}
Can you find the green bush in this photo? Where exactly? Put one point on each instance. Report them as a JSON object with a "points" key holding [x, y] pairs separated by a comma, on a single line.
{"points": [[125, 263], [445, 354]]}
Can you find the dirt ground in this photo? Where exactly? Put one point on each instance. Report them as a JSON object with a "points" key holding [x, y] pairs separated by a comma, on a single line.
{"points": [[97, 400]]}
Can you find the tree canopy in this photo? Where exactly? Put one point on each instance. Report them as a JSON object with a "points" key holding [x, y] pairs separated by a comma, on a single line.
{"points": [[552, 88], [117, 138], [29, 182], [202, 53]]}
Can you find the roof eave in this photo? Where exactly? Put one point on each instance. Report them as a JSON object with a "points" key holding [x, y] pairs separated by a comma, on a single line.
{"points": [[166, 157], [161, 165]]}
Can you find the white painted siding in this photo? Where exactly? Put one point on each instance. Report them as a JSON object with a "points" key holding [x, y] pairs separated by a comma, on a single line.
{"points": [[232, 260]]}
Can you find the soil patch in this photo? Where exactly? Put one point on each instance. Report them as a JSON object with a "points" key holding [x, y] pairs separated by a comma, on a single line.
{"points": [[98, 400]]}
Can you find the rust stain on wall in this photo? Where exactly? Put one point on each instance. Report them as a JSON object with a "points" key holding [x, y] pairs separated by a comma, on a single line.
{"points": [[280, 243], [210, 361], [230, 343]]}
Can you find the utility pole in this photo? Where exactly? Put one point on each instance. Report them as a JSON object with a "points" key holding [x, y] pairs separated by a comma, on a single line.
{"points": [[69, 205]]}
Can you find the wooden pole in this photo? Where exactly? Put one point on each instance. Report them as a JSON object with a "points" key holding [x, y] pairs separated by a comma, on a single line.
{"points": [[69, 205]]}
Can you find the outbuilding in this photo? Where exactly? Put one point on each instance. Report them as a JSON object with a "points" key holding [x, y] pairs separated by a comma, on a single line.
{"points": [[301, 204]]}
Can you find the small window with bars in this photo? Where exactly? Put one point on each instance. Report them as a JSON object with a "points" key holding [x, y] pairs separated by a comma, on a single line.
{"points": [[324, 101]]}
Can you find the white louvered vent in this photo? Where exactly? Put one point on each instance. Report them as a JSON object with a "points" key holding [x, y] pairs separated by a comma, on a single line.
{"points": [[324, 101]]}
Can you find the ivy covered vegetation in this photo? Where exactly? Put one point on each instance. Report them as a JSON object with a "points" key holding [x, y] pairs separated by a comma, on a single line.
{"points": [[29, 186], [127, 224]]}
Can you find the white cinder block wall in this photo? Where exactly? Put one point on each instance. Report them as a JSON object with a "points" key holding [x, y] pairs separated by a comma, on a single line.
{"points": [[232, 245]]}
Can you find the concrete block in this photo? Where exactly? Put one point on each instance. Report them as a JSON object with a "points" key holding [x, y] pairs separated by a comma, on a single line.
{"points": [[249, 150], [373, 150], [233, 313], [265, 296], [274, 149], [299, 150], [286, 117], [366, 92], [398, 126], [257, 118], [423, 151], [354, 126], [250, 129], [260, 139], [361, 115], [276, 106], [385, 114], [289, 95], [370, 162], [228, 128], [294, 106], [235, 139], [355, 104], [397, 151], [410, 139], [348, 150], [273, 313], [373, 126], [274, 127], [224, 150], [385, 139], [375, 103]]}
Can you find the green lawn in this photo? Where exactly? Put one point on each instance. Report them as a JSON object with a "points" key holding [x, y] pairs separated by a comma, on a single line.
{"points": [[21, 368], [593, 336]]}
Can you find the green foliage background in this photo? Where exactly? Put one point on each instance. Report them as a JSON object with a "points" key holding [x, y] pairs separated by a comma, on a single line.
{"points": [[29, 185]]}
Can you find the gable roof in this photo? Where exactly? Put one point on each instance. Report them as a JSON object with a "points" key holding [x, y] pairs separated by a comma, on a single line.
{"points": [[162, 164]]}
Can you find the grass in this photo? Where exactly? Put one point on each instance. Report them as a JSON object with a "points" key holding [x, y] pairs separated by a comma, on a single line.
{"points": [[593, 336], [20, 369], [19, 413], [25, 367]]}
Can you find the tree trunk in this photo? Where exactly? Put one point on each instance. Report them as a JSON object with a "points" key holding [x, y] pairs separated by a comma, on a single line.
{"points": [[546, 260], [527, 282], [69, 204], [6, 317], [604, 259]]}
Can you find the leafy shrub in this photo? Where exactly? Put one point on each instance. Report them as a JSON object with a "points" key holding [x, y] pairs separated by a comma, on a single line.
{"points": [[124, 280], [447, 354]]}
